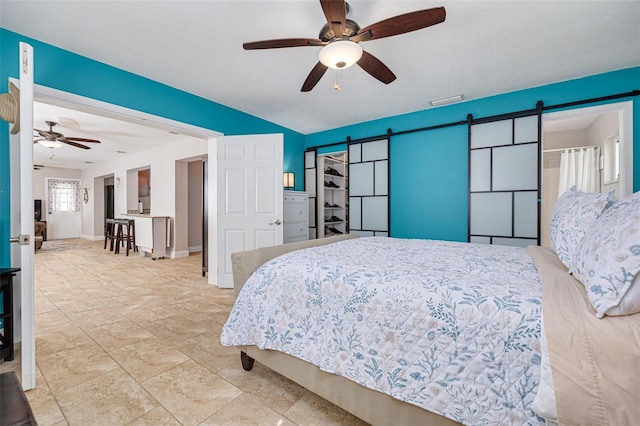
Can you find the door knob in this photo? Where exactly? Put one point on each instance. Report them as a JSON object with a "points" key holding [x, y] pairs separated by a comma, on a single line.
{"points": [[277, 222], [22, 239]]}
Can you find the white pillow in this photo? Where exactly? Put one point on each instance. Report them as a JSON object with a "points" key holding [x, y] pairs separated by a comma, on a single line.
{"points": [[608, 259], [574, 214]]}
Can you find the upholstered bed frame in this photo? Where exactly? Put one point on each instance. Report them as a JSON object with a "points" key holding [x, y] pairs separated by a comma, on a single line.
{"points": [[372, 406]]}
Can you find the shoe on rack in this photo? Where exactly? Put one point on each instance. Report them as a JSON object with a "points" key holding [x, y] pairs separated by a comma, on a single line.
{"points": [[327, 184], [332, 171], [333, 185], [334, 230], [335, 219]]}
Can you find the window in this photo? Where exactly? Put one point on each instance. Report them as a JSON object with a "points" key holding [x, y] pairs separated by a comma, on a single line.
{"points": [[64, 195]]}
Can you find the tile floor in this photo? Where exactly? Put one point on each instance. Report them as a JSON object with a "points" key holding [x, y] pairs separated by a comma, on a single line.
{"points": [[131, 341]]}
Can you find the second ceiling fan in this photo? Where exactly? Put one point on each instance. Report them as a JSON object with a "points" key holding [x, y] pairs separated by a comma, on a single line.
{"points": [[340, 39], [52, 139]]}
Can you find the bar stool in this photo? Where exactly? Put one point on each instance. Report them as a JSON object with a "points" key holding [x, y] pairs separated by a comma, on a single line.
{"points": [[125, 234], [109, 233]]}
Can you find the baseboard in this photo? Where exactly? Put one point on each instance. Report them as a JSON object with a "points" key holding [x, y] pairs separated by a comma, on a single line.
{"points": [[179, 254], [193, 249], [92, 237]]}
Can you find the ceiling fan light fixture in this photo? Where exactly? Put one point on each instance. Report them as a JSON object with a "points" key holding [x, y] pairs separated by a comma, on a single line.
{"points": [[340, 54], [51, 144]]}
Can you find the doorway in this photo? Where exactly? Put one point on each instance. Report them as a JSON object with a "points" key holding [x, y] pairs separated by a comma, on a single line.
{"points": [[597, 126]]}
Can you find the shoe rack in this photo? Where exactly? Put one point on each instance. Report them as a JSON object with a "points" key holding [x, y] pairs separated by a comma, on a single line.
{"points": [[333, 194]]}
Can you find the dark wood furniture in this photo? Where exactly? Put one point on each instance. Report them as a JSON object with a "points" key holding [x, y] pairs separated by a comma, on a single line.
{"points": [[6, 292], [109, 233], [125, 235], [14, 406]]}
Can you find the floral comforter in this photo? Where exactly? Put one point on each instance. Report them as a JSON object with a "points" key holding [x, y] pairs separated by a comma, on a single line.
{"points": [[453, 328]]}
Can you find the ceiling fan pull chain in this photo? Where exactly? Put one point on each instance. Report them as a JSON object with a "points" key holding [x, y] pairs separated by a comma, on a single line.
{"points": [[336, 84]]}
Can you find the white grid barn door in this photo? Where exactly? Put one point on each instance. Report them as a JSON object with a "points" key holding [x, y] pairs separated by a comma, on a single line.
{"points": [[310, 186], [369, 188], [504, 180]]}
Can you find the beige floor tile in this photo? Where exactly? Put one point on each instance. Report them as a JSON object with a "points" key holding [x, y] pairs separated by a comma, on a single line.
{"points": [[43, 402], [146, 314], [245, 410], [78, 304], [71, 367], [51, 318], [42, 304], [113, 398], [174, 329], [118, 334], [190, 392], [156, 417], [95, 317], [148, 358], [311, 410], [57, 338], [267, 386], [209, 352]]}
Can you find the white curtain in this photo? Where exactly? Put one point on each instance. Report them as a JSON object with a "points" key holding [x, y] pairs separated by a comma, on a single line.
{"points": [[64, 195], [579, 167]]}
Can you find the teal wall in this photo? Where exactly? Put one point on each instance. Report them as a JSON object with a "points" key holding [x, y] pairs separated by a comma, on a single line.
{"points": [[429, 180], [428, 169], [66, 71]]}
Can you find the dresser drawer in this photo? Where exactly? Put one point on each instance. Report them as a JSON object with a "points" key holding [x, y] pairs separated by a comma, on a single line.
{"points": [[295, 229], [294, 212]]}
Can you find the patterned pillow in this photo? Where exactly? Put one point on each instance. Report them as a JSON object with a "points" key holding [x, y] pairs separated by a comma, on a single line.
{"points": [[608, 259], [574, 213]]}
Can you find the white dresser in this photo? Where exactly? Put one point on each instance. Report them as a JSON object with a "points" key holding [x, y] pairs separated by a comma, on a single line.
{"points": [[296, 216]]}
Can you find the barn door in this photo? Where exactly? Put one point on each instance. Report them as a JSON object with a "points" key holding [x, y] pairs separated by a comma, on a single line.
{"points": [[369, 188], [504, 180]]}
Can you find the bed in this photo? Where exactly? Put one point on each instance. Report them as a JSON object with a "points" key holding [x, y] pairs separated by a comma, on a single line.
{"points": [[466, 318]]}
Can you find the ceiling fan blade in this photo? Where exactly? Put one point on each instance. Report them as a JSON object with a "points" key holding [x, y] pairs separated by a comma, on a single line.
{"points": [[314, 77], [408, 22], [64, 139], [282, 42], [336, 13], [38, 140], [376, 68], [77, 145]]}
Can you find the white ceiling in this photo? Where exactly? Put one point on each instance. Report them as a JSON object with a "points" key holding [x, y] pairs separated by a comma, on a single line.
{"points": [[483, 48], [117, 138]]}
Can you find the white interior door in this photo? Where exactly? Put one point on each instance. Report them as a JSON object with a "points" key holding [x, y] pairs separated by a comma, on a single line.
{"points": [[248, 200], [22, 217]]}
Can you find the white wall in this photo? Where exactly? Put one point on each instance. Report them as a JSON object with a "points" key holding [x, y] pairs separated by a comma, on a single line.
{"points": [[162, 162], [605, 126]]}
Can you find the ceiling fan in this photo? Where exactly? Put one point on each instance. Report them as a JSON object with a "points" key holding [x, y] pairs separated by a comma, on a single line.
{"points": [[340, 39], [52, 139]]}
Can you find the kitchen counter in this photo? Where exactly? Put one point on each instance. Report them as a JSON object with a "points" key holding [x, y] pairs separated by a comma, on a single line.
{"points": [[152, 234]]}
